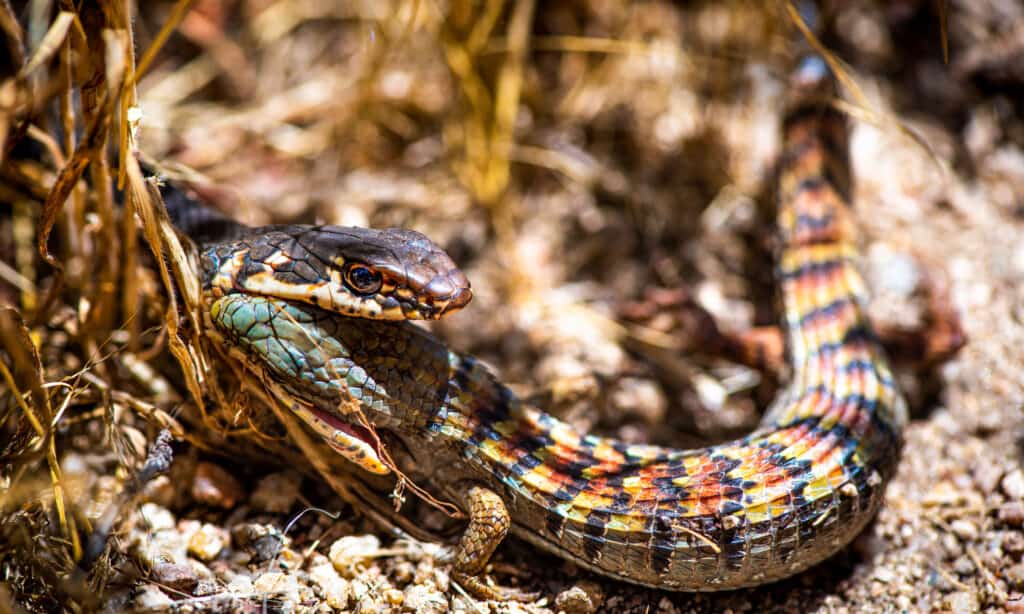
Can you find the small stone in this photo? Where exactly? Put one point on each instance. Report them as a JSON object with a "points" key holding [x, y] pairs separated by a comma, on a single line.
{"points": [[1012, 514], [987, 476], [943, 493], [964, 566], [964, 529], [175, 576], [160, 490], [277, 492], [206, 543], [158, 518], [394, 597], [426, 599], [963, 602], [1013, 543], [940, 582], [353, 550], [206, 587], [1013, 484], [275, 583], [152, 599], [574, 601], [884, 575], [336, 589], [240, 584], [214, 486], [1015, 575], [262, 543], [640, 397]]}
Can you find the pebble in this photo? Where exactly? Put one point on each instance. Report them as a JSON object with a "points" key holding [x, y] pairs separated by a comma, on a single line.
{"points": [[964, 529], [206, 543], [1014, 575], [262, 543], [1013, 543], [640, 397], [943, 493], [1012, 514], [574, 601], [277, 492], [240, 584], [426, 599], [157, 517], [206, 587], [336, 590], [963, 602], [180, 577], [212, 485], [964, 566], [276, 583], [152, 599], [1013, 484], [987, 476], [394, 597], [352, 550], [160, 490]]}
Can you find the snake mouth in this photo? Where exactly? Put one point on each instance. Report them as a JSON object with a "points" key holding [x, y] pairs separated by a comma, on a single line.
{"points": [[354, 442]]}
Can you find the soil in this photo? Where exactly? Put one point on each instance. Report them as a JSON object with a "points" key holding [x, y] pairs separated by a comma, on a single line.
{"points": [[584, 162]]}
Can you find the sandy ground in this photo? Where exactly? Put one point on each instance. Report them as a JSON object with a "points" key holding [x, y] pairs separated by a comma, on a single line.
{"points": [[637, 154]]}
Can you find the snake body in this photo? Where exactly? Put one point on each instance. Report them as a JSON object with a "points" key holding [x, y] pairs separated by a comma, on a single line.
{"points": [[732, 515]]}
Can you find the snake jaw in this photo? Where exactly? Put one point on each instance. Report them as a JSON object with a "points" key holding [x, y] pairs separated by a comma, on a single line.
{"points": [[351, 441]]}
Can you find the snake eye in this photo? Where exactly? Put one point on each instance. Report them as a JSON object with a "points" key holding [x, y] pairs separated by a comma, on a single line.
{"points": [[363, 279]]}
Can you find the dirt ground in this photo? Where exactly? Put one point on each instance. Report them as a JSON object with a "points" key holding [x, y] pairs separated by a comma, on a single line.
{"points": [[584, 162]]}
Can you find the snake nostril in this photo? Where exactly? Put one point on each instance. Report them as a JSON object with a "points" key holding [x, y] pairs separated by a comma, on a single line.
{"points": [[459, 299]]}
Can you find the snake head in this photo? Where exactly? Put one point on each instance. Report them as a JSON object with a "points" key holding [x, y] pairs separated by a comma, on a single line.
{"points": [[390, 274]]}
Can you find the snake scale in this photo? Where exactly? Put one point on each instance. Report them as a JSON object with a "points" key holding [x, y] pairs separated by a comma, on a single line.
{"points": [[737, 514]]}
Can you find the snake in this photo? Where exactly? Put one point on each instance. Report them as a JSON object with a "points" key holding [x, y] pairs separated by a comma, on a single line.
{"points": [[323, 314]]}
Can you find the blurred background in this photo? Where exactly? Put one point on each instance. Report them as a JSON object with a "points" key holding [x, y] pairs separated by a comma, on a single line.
{"points": [[601, 170]]}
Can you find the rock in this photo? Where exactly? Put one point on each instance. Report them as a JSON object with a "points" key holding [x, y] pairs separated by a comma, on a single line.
{"points": [[943, 493], [1013, 543], [212, 485], [353, 550], [575, 600], [964, 566], [1012, 514], [240, 584], [277, 492], [964, 529], [152, 599], [206, 588], [207, 543], [963, 602], [158, 518], [262, 543], [160, 490], [884, 575], [640, 397], [426, 599], [179, 577], [276, 583], [1015, 575], [987, 476], [1013, 484], [336, 590]]}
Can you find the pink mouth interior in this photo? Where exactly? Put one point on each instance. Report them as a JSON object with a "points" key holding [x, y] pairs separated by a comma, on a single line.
{"points": [[353, 430]]}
